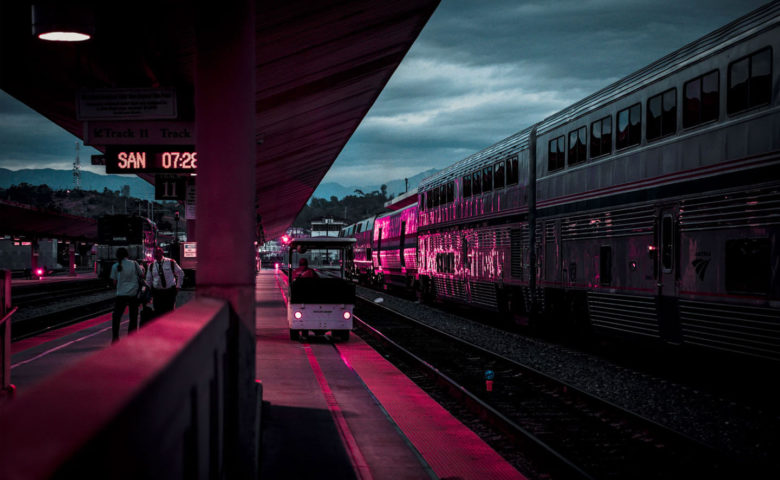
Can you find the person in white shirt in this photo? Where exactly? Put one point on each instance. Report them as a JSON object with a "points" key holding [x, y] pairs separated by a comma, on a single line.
{"points": [[125, 274], [165, 276]]}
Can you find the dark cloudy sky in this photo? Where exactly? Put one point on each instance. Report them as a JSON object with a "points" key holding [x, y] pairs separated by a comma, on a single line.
{"points": [[479, 72]]}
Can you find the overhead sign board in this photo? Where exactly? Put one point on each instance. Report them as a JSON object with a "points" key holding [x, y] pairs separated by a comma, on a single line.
{"points": [[139, 133], [151, 159], [168, 187], [126, 104]]}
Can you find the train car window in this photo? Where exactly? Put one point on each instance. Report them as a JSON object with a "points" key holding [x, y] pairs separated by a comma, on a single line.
{"points": [[512, 173], [662, 114], [556, 155], [601, 137], [760, 78], [669, 115], [359, 227], [605, 266], [476, 182], [442, 194], [748, 266], [562, 150], [595, 139], [606, 135], [635, 127], [750, 81], [466, 186], [450, 192], [629, 127], [487, 179], [428, 200], [701, 99], [498, 175], [578, 145]]}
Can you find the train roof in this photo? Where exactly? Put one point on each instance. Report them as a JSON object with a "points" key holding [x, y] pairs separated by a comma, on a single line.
{"points": [[744, 27], [323, 242], [403, 200]]}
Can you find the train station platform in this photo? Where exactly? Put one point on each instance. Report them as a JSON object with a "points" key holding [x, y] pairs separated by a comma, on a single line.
{"points": [[342, 411], [330, 410]]}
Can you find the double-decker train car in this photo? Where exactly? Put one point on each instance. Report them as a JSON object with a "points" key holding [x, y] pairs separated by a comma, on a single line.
{"points": [[359, 265], [137, 234], [395, 244], [649, 208]]}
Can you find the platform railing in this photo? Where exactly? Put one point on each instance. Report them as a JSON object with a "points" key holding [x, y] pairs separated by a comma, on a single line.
{"points": [[155, 405]]}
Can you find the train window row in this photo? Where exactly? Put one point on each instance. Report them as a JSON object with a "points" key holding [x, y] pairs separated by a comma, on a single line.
{"points": [[749, 86], [491, 177], [486, 179], [441, 195]]}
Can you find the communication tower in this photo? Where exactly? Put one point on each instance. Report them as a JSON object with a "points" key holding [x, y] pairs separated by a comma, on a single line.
{"points": [[77, 170]]}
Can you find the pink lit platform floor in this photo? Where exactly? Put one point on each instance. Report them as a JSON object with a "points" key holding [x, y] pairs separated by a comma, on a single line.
{"points": [[342, 411]]}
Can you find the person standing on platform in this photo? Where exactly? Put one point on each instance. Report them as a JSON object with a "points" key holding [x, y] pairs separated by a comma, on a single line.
{"points": [[125, 274], [165, 277]]}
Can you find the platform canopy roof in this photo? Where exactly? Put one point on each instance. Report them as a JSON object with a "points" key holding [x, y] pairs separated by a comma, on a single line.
{"points": [[320, 66]]}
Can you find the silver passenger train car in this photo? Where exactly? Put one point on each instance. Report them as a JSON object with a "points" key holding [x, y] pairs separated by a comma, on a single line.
{"points": [[653, 204]]}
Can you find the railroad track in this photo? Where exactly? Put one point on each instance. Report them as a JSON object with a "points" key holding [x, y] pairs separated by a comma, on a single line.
{"points": [[567, 433], [31, 296], [50, 306], [35, 325]]}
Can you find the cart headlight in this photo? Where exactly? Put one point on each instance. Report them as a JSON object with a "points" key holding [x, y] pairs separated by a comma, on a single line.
{"points": [[298, 315], [347, 315]]}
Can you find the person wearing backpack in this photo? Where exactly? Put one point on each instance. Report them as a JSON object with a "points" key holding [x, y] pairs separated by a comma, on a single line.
{"points": [[125, 275], [165, 277]]}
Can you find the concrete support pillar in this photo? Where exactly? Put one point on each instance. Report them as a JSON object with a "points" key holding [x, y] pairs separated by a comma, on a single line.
{"points": [[225, 227]]}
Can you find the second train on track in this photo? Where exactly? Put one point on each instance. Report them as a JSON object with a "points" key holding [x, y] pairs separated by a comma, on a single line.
{"points": [[652, 204]]}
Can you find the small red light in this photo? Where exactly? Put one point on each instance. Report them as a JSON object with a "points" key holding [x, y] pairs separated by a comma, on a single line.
{"points": [[298, 315], [285, 239], [347, 315], [39, 272]]}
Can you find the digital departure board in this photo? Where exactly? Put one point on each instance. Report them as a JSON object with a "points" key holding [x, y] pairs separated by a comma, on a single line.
{"points": [[151, 159]]}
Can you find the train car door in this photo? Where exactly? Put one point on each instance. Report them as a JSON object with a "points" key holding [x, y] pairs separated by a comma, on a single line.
{"points": [[668, 273]]}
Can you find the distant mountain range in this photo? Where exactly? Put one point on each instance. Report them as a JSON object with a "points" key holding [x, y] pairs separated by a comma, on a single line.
{"points": [[394, 187], [139, 188], [63, 180]]}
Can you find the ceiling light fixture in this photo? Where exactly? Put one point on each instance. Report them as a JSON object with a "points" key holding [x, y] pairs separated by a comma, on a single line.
{"points": [[61, 22]]}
